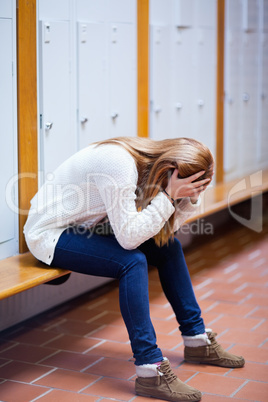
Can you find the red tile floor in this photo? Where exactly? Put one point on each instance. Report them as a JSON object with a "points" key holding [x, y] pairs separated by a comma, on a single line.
{"points": [[80, 351]]}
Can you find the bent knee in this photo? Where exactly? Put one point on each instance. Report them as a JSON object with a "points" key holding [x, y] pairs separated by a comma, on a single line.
{"points": [[136, 260]]}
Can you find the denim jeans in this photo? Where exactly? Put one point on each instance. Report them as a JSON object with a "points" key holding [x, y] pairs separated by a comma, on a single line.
{"points": [[94, 254]]}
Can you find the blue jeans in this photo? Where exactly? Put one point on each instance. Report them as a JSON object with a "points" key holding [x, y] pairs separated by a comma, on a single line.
{"points": [[94, 254]]}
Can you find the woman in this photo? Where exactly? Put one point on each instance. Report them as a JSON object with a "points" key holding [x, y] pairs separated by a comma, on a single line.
{"points": [[112, 209]]}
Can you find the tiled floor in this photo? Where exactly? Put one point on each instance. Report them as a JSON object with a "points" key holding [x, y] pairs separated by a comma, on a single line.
{"points": [[80, 352]]}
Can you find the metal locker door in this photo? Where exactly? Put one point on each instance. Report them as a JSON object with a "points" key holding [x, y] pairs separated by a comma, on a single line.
{"points": [[7, 227], [92, 83], [205, 91], [122, 80], [6, 7], [234, 14], [232, 106], [264, 103], [249, 95], [58, 140], [181, 77], [183, 13], [251, 15], [160, 110]]}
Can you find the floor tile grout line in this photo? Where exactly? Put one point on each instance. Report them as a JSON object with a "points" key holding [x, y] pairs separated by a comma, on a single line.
{"points": [[239, 388], [51, 340], [258, 325], [7, 362], [263, 343], [193, 376], [41, 396], [63, 320], [9, 347], [215, 304], [252, 312], [92, 364], [89, 334], [44, 375], [88, 386], [105, 312], [49, 356], [215, 320], [94, 346]]}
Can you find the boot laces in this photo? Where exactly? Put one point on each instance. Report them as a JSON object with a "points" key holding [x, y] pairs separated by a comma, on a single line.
{"points": [[167, 372], [214, 343]]}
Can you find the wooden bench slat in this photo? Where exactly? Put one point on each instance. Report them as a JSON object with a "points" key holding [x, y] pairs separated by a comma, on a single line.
{"points": [[23, 272], [217, 198]]}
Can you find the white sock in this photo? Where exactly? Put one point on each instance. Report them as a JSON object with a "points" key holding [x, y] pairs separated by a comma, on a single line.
{"points": [[149, 370], [197, 340]]}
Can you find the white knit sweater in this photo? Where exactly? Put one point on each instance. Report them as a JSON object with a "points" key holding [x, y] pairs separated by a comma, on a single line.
{"points": [[94, 183]]}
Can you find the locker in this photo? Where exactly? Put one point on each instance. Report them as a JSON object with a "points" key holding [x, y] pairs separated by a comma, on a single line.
{"points": [[251, 15], [232, 102], [160, 107], [264, 16], [249, 70], [6, 8], [263, 102], [204, 96], [106, 11], [92, 82], [183, 13], [7, 171], [206, 13], [121, 11], [56, 10], [160, 12], [182, 82], [234, 14], [122, 80], [58, 137], [91, 10]]}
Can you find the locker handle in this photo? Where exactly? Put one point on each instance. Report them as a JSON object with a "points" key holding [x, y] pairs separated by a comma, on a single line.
{"points": [[114, 115], [200, 102], [49, 125], [157, 109], [83, 120], [245, 97]]}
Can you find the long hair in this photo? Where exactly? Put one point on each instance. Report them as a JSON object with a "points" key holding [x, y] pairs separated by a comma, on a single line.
{"points": [[156, 161]]}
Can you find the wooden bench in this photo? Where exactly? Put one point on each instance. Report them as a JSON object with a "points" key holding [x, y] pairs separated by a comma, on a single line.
{"points": [[23, 271]]}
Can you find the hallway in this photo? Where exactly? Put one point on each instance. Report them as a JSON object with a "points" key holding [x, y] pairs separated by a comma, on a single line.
{"points": [[80, 352]]}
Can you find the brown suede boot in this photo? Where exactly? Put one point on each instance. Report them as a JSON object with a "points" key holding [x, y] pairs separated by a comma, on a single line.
{"points": [[166, 385], [212, 353]]}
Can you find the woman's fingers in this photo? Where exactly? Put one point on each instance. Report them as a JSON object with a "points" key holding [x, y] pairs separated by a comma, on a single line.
{"points": [[201, 183], [195, 176]]}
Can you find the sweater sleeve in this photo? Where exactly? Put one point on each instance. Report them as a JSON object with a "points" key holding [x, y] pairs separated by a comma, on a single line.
{"points": [[184, 211], [117, 190]]}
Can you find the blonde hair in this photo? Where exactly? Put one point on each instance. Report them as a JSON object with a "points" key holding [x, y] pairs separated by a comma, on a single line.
{"points": [[156, 161]]}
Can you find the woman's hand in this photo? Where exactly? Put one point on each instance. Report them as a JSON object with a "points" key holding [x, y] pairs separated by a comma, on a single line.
{"points": [[180, 188]]}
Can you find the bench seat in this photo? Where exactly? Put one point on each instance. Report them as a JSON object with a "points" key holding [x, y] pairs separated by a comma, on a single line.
{"points": [[23, 271]]}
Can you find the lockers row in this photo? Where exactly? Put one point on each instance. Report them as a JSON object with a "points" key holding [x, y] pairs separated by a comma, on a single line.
{"points": [[8, 132], [246, 92], [183, 78], [183, 70], [87, 75]]}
